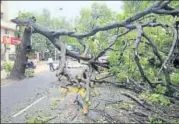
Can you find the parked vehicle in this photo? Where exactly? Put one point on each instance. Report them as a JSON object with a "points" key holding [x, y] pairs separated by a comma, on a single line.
{"points": [[30, 65]]}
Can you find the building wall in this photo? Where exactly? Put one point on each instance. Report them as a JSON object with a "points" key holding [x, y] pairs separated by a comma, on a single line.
{"points": [[7, 29], [7, 32], [10, 49], [4, 10]]}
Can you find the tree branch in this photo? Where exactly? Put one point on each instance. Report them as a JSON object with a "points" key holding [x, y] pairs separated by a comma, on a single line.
{"points": [[155, 51], [136, 56], [122, 51], [50, 34], [85, 45], [167, 12], [149, 10], [111, 44], [170, 52], [62, 56]]}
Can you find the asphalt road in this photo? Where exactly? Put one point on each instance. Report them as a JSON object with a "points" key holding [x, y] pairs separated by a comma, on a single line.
{"points": [[17, 96]]}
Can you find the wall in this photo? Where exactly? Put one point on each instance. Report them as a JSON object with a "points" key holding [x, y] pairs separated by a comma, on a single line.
{"points": [[10, 49], [7, 29], [4, 10]]}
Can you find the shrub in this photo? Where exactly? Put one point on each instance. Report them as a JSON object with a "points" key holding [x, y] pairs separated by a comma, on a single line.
{"points": [[8, 66], [155, 98], [175, 78], [158, 98], [160, 89], [29, 72]]}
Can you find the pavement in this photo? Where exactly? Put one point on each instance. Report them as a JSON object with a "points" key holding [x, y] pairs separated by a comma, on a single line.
{"points": [[17, 96]]}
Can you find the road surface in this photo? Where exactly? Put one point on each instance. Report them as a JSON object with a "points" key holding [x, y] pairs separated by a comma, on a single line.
{"points": [[18, 96]]}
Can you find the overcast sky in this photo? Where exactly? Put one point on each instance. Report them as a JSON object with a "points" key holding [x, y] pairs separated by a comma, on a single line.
{"points": [[71, 9]]}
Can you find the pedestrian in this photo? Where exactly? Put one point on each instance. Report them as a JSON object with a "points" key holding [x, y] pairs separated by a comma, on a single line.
{"points": [[50, 62]]}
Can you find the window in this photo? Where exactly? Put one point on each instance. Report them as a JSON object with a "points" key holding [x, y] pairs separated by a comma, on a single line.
{"points": [[6, 31]]}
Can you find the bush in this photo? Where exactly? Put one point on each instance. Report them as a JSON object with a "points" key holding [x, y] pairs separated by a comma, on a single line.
{"points": [[175, 78], [160, 89], [29, 72], [7, 66], [155, 98]]}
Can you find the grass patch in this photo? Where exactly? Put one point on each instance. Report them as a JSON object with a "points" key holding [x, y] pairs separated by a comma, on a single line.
{"points": [[40, 118]]}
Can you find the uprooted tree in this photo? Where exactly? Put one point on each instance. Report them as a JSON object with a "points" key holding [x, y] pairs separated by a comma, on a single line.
{"points": [[122, 31]]}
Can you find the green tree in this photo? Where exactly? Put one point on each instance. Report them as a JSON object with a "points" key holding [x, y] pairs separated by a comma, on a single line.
{"points": [[97, 15]]}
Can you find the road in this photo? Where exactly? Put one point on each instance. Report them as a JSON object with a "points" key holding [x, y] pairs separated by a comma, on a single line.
{"points": [[20, 96], [16, 97]]}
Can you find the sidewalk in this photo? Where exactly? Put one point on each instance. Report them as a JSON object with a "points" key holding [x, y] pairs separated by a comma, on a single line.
{"points": [[41, 67]]}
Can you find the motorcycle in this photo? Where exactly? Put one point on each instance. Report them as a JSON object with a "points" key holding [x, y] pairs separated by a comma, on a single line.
{"points": [[30, 65]]}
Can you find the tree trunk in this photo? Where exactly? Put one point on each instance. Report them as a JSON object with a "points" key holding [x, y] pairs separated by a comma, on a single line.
{"points": [[18, 71], [3, 52]]}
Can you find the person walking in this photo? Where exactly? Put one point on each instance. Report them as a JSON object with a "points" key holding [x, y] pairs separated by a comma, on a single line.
{"points": [[50, 62]]}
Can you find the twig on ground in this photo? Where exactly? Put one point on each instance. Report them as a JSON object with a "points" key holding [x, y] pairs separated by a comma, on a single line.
{"points": [[136, 100], [50, 119]]}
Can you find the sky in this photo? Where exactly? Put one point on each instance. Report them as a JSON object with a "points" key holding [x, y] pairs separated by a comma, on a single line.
{"points": [[70, 9]]}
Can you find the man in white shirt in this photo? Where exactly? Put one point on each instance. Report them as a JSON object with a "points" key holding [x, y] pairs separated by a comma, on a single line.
{"points": [[50, 62]]}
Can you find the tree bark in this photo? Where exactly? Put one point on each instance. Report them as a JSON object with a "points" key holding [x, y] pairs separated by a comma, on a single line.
{"points": [[136, 56], [18, 71]]}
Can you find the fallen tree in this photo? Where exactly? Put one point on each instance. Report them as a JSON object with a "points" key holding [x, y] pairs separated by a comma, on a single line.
{"points": [[133, 23]]}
